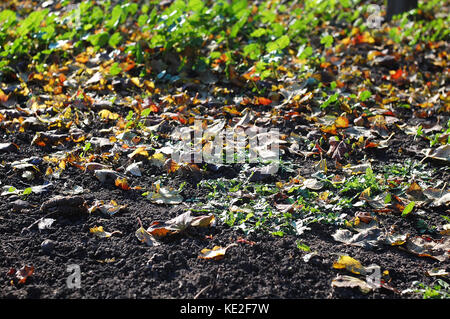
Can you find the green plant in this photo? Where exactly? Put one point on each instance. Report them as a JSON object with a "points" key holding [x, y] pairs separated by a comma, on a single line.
{"points": [[439, 290]]}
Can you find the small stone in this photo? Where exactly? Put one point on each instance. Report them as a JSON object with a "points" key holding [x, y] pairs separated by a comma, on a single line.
{"points": [[19, 205], [47, 246]]}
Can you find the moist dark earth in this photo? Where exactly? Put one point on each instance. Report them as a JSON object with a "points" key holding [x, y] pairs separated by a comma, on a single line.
{"points": [[263, 266], [258, 265]]}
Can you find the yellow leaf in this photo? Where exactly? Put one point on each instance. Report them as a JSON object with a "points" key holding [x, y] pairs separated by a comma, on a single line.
{"points": [[349, 263], [149, 84], [108, 115], [100, 232], [136, 81], [49, 171], [122, 183], [341, 122], [216, 253], [139, 151]]}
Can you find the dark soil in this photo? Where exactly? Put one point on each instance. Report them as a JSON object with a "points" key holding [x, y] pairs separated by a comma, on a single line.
{"points": [[259, 266], [265, 266]]}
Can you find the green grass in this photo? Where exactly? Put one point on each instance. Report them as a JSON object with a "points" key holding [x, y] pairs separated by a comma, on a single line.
{"points": [[245, 35]]}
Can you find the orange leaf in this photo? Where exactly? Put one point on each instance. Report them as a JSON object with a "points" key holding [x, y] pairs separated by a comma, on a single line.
{"points": [[231, 110], [23, 273], [122, 183], [171, 165], [263, 101], [331, 129], [370, 145], [395, 75], [341, 122], [160, 232], [3, 96]]}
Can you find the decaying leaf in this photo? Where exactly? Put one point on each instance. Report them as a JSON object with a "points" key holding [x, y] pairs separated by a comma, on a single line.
{"points": [[108, 115], [104, 175], [134, 169], [65, 204], [367, 238], [314, 184], [216, 253], [92, 166], [337, 149], [357, 169], [22, 274], [424, 246], [437, 197], [351, 282], [100, 232], [165, 196], [175, 225], [203, 221], [396, 239], [139, 151], [122, 183], [8, 147], [437, 272], [110, 209], [349, 263], [441, 153], [445, 230], [143, 236]]}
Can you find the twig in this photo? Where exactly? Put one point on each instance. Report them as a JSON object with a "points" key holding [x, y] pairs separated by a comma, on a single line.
{"points": [[202, 291], [37, 221]]}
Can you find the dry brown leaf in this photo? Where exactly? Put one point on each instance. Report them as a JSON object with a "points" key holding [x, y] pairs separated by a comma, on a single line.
{"points": [[351, 282]]}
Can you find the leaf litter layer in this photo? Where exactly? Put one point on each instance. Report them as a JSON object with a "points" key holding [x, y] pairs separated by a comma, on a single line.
{"points": [[91, 97]]}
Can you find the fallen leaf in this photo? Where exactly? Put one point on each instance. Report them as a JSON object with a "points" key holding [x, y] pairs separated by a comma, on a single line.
{"points": [[424, 246], [145, 237], [408, 209], [179, 224], [122, 183], [100, 232], [165, 196], [262, 101], [441, 153], [139, 151], [108, 115], [436, 272], [341, 122], [104, 175], [351, 282], [396, 239], [445, 230], [203, 221], [134, 169], [312, 183], [23, 273], [110, 209], [367, 238], [216, 253], [349, 263], [437, 197], [8, 147]]}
